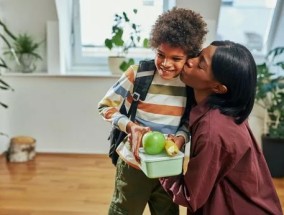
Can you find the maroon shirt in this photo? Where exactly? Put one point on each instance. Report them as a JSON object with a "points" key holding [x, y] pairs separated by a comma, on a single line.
{"points": [[227, 173]]}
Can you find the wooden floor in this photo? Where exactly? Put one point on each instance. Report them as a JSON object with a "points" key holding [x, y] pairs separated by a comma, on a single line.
{"points": [[60, 184]]}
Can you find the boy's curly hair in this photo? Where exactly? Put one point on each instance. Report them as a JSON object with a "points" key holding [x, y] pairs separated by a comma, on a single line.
{"points": [[179, 27]]}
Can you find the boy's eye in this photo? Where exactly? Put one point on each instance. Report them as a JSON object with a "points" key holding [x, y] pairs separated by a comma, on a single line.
{"points": [[177, 59], [160, 55]]}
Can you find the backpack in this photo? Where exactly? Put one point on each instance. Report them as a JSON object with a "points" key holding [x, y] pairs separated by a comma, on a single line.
{"points": [[143, 80]]}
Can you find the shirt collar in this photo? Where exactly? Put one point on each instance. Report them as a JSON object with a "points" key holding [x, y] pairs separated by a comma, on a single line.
{"points": [[198, 111]]}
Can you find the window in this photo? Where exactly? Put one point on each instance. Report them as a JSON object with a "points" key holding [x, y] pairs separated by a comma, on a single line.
{"points": [[92, 21], [251, 23], [247, 22]]}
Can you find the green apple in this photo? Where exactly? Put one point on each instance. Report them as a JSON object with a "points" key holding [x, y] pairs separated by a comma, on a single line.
{"points": [[153, 142]]}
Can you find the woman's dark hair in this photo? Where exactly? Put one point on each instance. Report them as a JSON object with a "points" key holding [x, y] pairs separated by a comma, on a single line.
{"points": [[233, 66], [179, 27]]}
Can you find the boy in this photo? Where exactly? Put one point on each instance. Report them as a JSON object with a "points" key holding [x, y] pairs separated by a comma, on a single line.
{"points": [[176, 35]]}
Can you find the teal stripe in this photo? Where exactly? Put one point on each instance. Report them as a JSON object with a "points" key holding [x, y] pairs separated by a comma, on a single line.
{"points": [[165, 129], [167, 90]]}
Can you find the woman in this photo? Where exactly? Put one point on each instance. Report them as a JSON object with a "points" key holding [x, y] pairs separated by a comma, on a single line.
{"points": [[227, 173]]}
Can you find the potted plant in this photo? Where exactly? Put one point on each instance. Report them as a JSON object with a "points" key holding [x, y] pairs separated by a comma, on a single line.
{"points": [[25, 48], [270, 96], [22, 48], [122, 43]]}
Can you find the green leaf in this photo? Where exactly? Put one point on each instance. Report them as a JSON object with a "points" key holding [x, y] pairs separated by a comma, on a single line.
{"points": [[108, 44], [10, 34], [125, 17], [3, 105], [126, 64], [3, 63], [146, 43], [4, 83]]}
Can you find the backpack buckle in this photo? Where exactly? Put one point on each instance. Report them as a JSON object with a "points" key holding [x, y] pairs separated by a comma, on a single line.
{"points": [[136, 96]]}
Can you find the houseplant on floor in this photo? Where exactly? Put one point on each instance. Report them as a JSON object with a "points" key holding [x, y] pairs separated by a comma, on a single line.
{"points": [[270, 96], [125, 35], [4, 86], [5, 38], [4, 66]]}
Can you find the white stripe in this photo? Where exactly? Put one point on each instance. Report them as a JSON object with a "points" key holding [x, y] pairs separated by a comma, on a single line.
{"points": [[145, 73], [165, 100]]}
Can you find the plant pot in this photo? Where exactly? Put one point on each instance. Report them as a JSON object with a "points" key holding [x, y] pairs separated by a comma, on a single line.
{"points": [[114, 63], [273, 150], [27, 62]]}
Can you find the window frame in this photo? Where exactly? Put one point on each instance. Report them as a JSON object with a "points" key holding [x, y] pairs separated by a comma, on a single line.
{"points": [[96, 63]]}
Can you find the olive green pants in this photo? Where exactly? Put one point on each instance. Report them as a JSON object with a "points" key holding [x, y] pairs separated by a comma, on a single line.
{"points": [[133, 190]]}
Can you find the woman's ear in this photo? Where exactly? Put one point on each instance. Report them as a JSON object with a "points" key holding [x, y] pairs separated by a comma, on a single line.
{"points": [[220, 89]]}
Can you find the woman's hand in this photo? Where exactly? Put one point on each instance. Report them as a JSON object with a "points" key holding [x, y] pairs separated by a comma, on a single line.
{"points": [[135, 134]]}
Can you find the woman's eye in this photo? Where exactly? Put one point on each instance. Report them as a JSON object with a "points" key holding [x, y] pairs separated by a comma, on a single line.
{"points": [[198, 54]]}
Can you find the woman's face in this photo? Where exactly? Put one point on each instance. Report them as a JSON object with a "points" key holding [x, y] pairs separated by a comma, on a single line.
{"points": [[169, 61], [197, 72]]}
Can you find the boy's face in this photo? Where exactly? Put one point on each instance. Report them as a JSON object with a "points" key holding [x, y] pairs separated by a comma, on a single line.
{"points": [[169, 61]]}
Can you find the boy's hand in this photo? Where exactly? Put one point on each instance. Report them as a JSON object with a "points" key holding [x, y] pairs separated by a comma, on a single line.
{"points": [[135, 134]]}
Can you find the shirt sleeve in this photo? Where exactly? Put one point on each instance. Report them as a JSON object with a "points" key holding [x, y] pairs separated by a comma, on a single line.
{"points": [[110, 104], [208, 163], [183, 130]]}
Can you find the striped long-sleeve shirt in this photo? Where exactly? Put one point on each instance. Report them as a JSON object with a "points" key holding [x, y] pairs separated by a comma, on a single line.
{"points": [[161, 110]]}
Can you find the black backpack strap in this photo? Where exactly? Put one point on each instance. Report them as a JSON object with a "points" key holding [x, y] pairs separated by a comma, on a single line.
{"points": [[144, 77], [143, 80]]}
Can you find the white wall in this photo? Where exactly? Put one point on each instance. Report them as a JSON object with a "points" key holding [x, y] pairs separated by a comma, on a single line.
{"points": [[209, 13], [59, 111]]}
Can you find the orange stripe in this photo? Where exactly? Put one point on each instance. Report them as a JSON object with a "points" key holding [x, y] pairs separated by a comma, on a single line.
{"points": [[129, 99], [161, 109]]}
